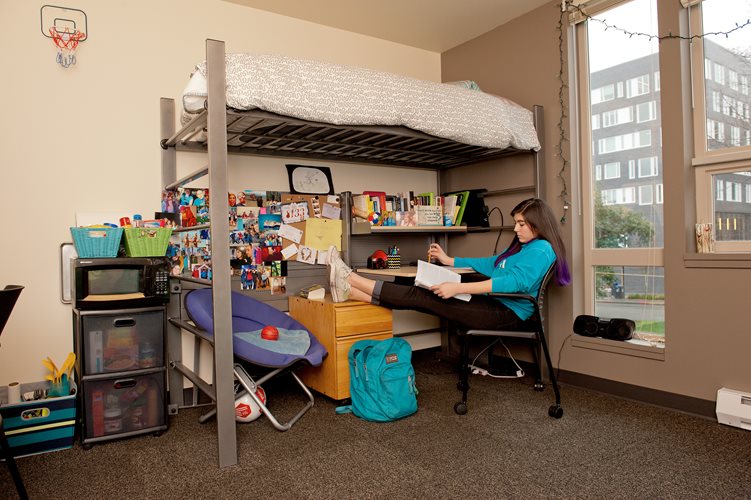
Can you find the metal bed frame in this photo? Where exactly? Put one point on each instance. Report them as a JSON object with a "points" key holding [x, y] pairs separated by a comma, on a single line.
{"points": [[220, 131]]}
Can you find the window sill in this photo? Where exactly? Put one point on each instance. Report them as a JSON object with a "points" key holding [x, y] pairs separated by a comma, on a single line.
{"points": [[628, 348], [740, 260]]}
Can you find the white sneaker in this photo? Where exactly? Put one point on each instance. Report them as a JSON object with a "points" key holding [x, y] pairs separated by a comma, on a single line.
{"points": [[338, 272]]}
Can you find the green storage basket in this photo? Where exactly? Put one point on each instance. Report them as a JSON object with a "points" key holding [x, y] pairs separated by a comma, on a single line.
{"points": [[91, 242], [147, 242]]}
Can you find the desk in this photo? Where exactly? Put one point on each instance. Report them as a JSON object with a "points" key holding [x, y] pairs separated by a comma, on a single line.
{"points": [[337, 326], [407, 271]]}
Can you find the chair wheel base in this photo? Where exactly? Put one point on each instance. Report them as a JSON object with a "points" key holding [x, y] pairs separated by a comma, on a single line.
{"points": [[460, 408], [539, 386], [555, 411], [462, 385]]}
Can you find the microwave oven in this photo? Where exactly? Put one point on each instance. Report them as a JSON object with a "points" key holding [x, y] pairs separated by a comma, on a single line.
{"points": [[120, 282]]}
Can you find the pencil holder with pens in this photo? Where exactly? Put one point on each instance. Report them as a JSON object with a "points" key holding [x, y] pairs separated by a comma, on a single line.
{"points": [[394, 261]]}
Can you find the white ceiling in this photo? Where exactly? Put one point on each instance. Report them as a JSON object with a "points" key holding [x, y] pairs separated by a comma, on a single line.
{"points": [[434, 25]]}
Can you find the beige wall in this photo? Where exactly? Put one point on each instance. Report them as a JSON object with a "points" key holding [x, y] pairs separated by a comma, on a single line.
{"points": [[86, 138], [705, 309]]}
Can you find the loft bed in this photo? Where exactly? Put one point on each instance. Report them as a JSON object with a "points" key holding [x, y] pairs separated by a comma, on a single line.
{"points": [[220, 118]]}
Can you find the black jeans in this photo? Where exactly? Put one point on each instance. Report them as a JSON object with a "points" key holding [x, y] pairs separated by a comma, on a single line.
{"points": [[481, 312]]}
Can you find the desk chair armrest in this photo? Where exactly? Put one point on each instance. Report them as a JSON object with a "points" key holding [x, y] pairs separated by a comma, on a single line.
{"points": [[522, 296]]}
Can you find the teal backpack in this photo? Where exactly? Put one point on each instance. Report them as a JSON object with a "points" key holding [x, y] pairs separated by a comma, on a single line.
{"points": [[382, 380]]}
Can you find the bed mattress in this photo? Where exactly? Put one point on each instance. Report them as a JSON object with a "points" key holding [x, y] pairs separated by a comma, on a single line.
{"points": [[347, 95]]}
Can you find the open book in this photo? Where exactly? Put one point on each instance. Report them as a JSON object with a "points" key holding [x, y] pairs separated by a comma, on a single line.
{"points": [[429, 274]]}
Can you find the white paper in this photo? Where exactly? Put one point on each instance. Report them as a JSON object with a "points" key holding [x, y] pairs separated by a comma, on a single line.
{"points": [[289, 251], [323, 257], [331, 212], [290, 232], [429, 274], [307, 255]]}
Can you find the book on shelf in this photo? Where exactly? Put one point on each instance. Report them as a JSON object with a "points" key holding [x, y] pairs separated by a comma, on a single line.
{"points": [[449, 207], [361, 206], [429, 215], [426, 198], [461, 204], [430, 274]]}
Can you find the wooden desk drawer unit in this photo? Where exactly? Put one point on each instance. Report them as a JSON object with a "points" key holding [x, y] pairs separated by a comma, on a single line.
{"points": [[337, 326]]}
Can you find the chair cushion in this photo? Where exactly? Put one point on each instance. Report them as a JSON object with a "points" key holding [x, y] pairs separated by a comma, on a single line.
{"points": [[248, 315]]}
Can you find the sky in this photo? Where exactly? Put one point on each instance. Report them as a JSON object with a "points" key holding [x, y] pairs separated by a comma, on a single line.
{"points": [[609, 46]]}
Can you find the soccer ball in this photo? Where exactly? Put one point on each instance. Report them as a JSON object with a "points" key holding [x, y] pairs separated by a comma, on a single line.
{"points": [[246, 410]]}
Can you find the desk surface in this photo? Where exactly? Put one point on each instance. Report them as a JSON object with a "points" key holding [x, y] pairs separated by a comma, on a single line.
{"points": [[407, 271]]}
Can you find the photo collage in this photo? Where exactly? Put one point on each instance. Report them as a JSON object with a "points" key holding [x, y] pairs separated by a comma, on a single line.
{"points": [[265, 230]]}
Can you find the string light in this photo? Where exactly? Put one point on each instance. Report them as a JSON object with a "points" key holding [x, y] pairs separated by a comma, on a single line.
{"points": [[651, 37], [562, 137]]}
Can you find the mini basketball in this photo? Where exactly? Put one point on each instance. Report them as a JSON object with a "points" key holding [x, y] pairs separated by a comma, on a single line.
{"points": [[247, 410], [270, 332]]}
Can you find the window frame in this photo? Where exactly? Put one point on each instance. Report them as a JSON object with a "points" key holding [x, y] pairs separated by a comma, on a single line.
{"points": [[706, 162], [595, 257]]}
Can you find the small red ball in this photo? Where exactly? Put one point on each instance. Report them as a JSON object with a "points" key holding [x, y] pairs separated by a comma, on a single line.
{"points": [[270, 333]]}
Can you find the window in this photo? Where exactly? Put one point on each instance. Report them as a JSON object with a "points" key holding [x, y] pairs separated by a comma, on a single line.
{"points": [[637, 86], [733, 79], [645, 195], [612, 170], [624, 142], [623, 236], [718, 73], [735, 135], [617, 117], [648, 167], [620, 196], [722, 140], [646, 111], [603, 94]]}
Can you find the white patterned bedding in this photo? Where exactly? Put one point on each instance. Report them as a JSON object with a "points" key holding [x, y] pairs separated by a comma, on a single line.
{"points": [[348, 95]]}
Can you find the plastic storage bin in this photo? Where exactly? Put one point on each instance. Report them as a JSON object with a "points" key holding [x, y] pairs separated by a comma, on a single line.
{"points": [[125, 405], [92, 242], [42, 425], [122, 342], [147, 242]]}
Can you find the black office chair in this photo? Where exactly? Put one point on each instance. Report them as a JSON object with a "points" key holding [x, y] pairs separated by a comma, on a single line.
{"points": [[534, 333], [8, 297]]}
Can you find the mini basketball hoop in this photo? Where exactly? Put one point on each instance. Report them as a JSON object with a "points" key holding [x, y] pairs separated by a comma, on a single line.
{"points": [[66, 42], [67, 27]]}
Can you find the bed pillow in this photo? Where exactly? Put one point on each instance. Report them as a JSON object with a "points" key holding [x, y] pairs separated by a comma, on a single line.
{"points": [[467, 84]]}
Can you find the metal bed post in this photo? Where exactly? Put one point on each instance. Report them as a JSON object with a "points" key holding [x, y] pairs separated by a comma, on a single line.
{"points": [[223, 355], [174, 334], [538, 118]]}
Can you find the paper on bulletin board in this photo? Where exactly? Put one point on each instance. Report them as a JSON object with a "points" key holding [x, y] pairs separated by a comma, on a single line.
{"points": [[322, 233], [294, 231]]}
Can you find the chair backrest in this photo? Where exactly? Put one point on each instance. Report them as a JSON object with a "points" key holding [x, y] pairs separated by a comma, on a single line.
{"points": [[8, 297], [543, 289]]}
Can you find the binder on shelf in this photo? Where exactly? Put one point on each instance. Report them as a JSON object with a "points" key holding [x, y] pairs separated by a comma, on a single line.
{"points": [[378, 198], [461, 204]]}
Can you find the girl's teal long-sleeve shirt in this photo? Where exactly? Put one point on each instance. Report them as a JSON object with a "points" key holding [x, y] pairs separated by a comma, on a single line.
{"points": [[519, 273]]}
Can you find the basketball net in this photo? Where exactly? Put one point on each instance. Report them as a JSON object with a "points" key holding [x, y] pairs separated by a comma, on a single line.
{"points": [[67, 43]]}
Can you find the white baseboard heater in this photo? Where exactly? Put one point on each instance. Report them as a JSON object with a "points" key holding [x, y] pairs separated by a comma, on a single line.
{"points": [[734, 408]]}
